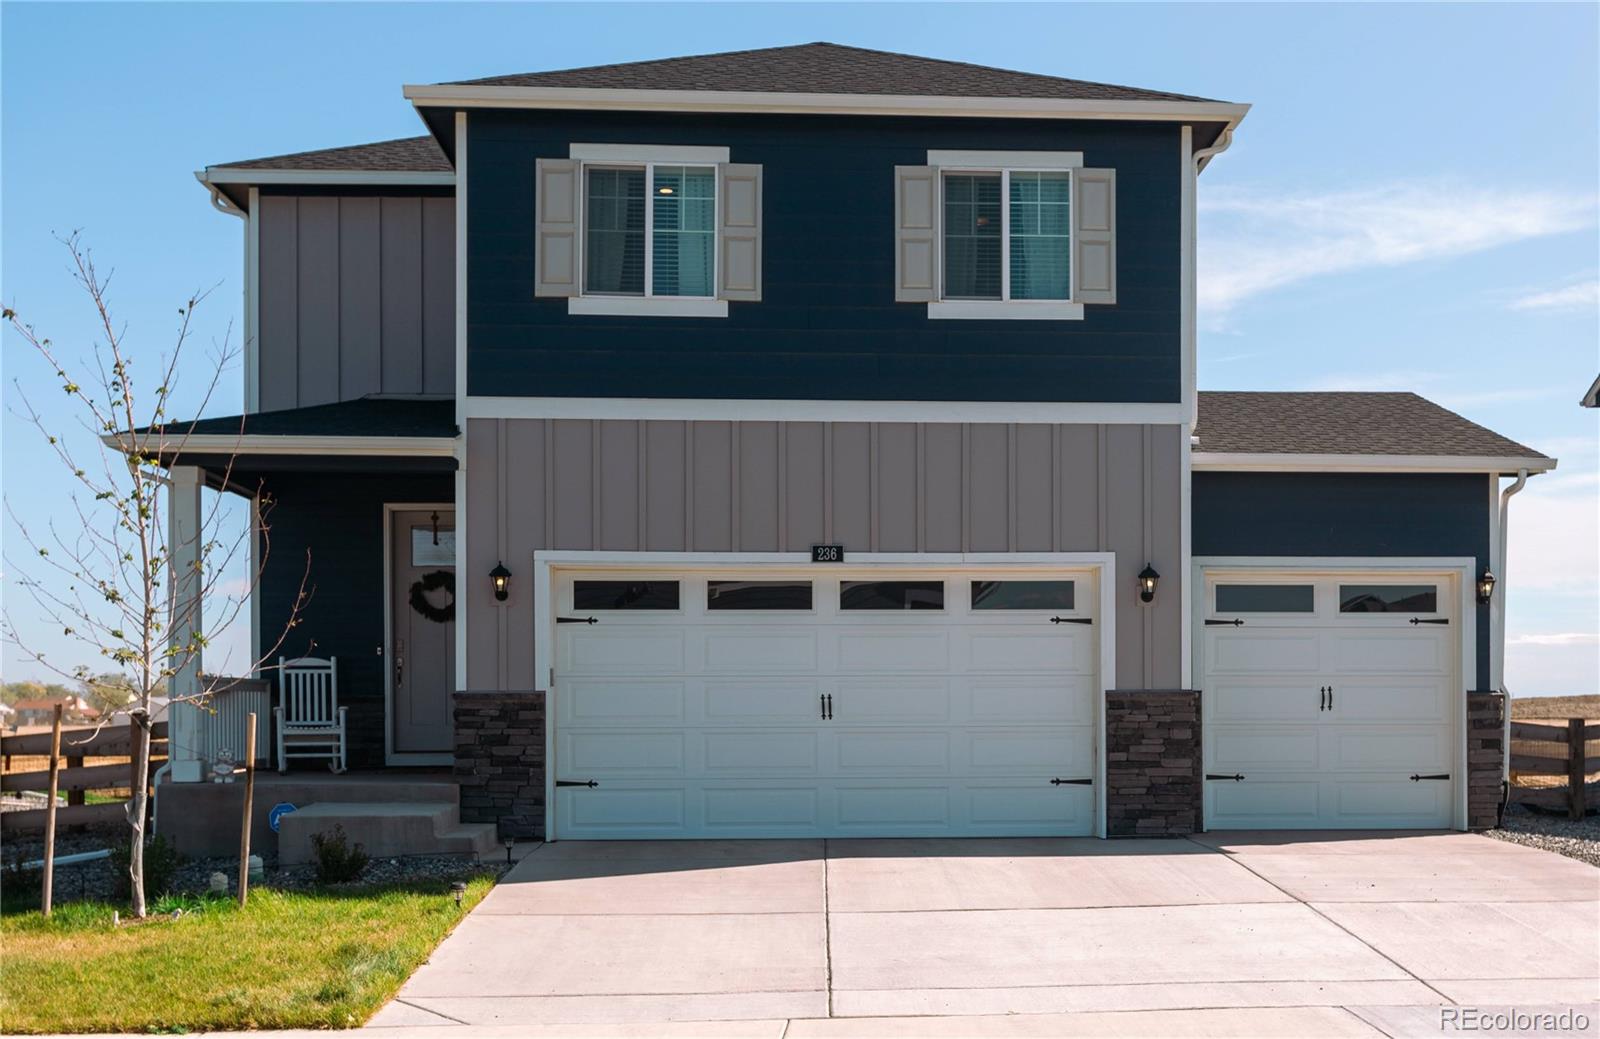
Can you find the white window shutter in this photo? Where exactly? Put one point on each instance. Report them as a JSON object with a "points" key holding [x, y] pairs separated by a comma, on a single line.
{"points": [[1094, 236], [916, 201], [556, 194], [738, 231]]}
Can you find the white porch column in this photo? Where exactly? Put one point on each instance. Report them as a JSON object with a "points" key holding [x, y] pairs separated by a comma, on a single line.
{"points": [[184, 720]]}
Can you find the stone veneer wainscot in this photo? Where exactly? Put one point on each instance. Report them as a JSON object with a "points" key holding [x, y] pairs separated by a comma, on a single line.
{"points": [[1154, 780], [499, 760]]}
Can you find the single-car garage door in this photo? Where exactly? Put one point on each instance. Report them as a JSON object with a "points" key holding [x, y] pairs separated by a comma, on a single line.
{"points": [[782, 703], [1330, 699]]}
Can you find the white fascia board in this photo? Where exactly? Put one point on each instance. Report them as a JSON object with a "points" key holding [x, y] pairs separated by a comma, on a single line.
{"points": [[373, 178], [1219, 461], [230, 444], [478, 96], [726, 410]]}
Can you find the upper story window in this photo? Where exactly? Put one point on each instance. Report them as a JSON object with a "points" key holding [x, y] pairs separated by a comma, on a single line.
{"points": [[1026, 235], [648, 229], [655, 242], [1007, 235]]}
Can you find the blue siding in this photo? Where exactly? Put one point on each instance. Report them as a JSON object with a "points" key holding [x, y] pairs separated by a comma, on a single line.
{"points": [[827, 326], [338, 519], [1346, 514]]}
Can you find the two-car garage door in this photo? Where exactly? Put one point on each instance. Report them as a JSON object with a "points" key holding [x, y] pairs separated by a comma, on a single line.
{"points": [[1332, 699], [833, 703]]}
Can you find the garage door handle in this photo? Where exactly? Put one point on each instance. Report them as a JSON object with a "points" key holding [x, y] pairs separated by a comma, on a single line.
{"points": [[577, 620], [1071, 620], [830, 706], [1213, 622], [1322, 698], [1430, 620], [576, 782], [1072, 782], [1441, 775], [1237, 777]]}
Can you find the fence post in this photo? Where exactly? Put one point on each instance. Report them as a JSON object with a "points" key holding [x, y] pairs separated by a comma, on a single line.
{"points": [[1575, 774], [249, 796], [47, 891]]}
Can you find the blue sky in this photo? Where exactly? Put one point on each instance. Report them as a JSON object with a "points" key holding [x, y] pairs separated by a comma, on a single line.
{"points": [[1410, 205]]}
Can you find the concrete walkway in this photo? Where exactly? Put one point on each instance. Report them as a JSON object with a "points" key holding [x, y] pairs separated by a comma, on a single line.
{"points": [[1227, 934]]}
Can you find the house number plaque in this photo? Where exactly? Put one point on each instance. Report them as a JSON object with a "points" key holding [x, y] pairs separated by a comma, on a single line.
{"points": [[827, 553]]}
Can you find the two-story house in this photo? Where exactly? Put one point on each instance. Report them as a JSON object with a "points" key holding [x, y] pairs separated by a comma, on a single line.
{"points": [[805, 441]]}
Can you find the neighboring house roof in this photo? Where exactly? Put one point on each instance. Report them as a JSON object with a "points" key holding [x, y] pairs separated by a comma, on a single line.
{"points": [[363, 417], [827, 68], [1592, 398], [405, 154], [1323, 424]]}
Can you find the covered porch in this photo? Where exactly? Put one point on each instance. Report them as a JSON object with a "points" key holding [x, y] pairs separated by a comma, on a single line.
{"points": [[352, 563]]}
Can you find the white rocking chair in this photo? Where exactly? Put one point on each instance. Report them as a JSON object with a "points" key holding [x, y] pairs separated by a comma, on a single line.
{"points": [[311, 724]]}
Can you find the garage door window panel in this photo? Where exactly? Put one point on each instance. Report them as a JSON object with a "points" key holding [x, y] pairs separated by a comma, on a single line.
{"points": [[1023, 595], [758, 595], [1388, 598], [1266, 598], [625, 595], [891, 595]]}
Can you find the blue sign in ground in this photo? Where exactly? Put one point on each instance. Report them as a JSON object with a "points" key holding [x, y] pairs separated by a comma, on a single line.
{"points": [[279, 810]]}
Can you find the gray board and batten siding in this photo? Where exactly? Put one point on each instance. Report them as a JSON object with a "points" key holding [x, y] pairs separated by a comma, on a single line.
{"points": [[666, 486], [356, 296]]}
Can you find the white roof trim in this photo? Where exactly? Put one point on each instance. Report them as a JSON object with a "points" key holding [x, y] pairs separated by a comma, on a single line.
{"points": [[480, 96], [247, 175], [1286, 463], [267, 444]]}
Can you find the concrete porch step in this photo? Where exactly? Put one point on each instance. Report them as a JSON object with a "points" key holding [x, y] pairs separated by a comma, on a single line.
{"points": [[385, 828]]}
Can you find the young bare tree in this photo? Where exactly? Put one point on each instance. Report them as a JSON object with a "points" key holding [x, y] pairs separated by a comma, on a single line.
{"points": [[107, 576]]}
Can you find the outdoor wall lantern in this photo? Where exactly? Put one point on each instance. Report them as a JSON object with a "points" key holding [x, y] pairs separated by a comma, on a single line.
{"points": [[1486, 585], [500, 578], [1147, 584]]}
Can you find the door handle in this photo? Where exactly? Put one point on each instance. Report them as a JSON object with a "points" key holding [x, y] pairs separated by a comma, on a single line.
{"points": [[399, 671], [830, 706], [1330, 698], [822, 706], [1322, 698]]}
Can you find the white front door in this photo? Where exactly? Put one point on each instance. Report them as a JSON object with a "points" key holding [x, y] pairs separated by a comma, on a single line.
{"points": [[1332, 698], [774, 703]]}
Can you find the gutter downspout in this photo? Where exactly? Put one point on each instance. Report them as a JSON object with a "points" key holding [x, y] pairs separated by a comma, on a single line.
{"points": [[1497, 622], [1191, 348]]}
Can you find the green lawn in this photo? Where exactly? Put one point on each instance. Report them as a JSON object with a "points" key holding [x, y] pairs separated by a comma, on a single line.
{"points": [[287, 960]]}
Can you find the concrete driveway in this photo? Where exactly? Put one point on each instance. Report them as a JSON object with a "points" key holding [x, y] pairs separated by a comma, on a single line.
{"points": [[1309, 934]]}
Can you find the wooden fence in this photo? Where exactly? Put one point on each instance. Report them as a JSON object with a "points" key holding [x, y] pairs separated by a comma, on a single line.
{"points": [[1542, 752], [93, 759]]}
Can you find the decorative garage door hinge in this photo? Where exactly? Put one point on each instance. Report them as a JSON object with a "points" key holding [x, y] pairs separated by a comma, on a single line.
{"points": [[1430, 620], [576, 782], [577, 620], [1419, 778], [1071, 620], [1237, 777], [1211, 622], [1072, 782]]}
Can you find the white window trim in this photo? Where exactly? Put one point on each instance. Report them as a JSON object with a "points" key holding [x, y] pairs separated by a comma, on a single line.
{"points": [[1005, 308], [646, 157]]}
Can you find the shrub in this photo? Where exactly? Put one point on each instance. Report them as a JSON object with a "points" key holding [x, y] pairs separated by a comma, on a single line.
{"points": [[337, 861], [161, 862]]}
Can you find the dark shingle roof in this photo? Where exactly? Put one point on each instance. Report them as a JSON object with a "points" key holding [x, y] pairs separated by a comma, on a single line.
{"points": [[1343, 423], [827, 68], [406, 155], [365, 417]]}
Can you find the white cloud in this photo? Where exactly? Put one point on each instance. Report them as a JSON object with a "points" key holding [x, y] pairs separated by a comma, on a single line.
{"points": [[1561, 638], [1583, 295], [1254, 242]]}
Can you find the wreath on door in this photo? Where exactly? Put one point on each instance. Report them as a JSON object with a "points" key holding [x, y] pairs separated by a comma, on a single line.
{"points": [[422, 602]]}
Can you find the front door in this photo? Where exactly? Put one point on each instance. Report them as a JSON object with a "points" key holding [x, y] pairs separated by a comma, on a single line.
{"points": [[422, 646]]}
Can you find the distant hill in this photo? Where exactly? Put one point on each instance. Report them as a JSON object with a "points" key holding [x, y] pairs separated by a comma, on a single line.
{"points": [[1532, 708]]}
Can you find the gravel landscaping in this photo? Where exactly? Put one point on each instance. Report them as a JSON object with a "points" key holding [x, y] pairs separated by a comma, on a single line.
{"points": [[1575, 839], [97, 880]]}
